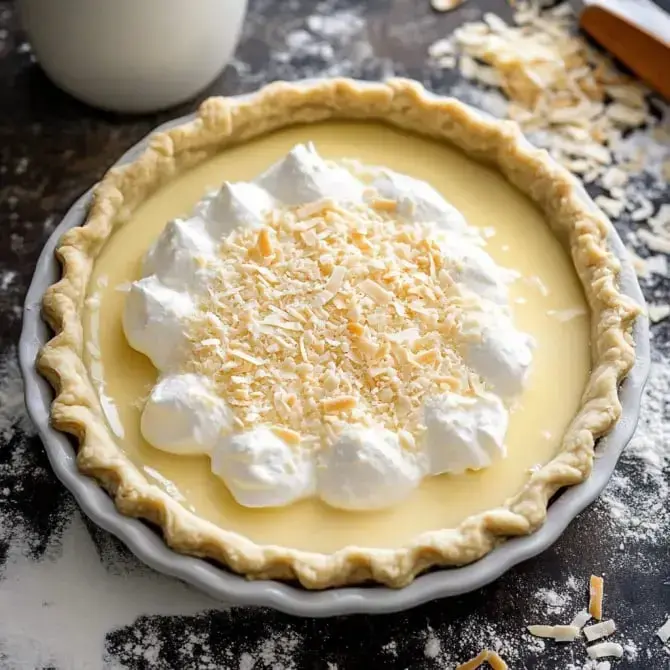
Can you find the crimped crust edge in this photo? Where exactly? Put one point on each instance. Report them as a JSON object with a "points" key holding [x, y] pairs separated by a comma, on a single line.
{"points": [[221, 122]]}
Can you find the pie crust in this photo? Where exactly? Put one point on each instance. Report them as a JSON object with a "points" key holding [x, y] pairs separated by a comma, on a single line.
{"points": [[222, 122]]}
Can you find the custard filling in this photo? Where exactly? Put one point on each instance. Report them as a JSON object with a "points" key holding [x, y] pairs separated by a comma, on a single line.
{"points": [[547, 303]]}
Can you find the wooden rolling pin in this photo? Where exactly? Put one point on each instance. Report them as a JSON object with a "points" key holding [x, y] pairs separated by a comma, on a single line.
{"points": [[637, 32]]}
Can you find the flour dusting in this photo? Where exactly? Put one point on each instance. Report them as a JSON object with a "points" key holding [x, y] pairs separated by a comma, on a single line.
{"points": [[554, 603], [329, 42], [276, 651], [65, 605], [637, 499], [433, 645], [13, 415]]}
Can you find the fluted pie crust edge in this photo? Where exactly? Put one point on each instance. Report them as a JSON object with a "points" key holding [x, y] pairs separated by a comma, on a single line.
{"points": [[221, 122]]}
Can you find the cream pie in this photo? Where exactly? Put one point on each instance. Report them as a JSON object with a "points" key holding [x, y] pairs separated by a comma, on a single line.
{"points": [[331, 332]]}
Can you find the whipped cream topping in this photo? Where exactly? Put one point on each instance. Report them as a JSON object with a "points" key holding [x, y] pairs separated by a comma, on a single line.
{"points": [[364, 466], [368, 468], [464, 433], [154, 320], [261, 470], [184, 416], [419, 201]]}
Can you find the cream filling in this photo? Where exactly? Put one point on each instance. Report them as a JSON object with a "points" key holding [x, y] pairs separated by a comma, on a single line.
{"points": [[360, 464], [548, 287]]}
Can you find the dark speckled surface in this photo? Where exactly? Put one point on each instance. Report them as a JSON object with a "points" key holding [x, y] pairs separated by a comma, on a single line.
{"points": [[52, 148]]}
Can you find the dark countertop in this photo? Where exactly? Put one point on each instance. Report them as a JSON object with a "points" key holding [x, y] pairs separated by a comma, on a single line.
{"points": [[53, 148]]}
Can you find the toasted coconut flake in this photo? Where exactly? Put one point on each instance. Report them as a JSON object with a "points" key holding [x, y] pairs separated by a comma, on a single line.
{"points": [[661, 222], [384, 204], [283, 332], [663, 632], [630, 117], [658, 312], [657, 265], [610, 206], [599, 630], [367, 346], [555, 81], [596, 585], [565, 633], [309, 237], [276, 321], [445, 5], [425, 357], [559, 633], [654, 242], [246, 357], [475, 662], [336, 278], [442, 48], [541, 630], [604, 649], [375, 291], [495, 661], [211, 342], [631, 96], [340, 404], [487, 656], [264, 243], [614, 177], [312, 208], [289, 436]]}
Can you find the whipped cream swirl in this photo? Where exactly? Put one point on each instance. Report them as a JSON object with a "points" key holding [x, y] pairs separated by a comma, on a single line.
{"points": [[364, 467]]}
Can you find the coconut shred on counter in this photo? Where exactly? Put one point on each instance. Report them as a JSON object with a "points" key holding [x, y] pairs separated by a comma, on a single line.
{"points": [[329, 330]]}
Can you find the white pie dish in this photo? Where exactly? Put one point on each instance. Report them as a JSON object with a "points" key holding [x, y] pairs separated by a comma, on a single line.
{"points": [[216, 581]]}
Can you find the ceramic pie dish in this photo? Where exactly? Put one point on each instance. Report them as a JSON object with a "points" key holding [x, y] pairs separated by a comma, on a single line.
{"points": [[311, 102]]}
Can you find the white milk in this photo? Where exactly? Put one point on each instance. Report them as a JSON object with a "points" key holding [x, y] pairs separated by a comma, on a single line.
{"points": [[133, 55]]}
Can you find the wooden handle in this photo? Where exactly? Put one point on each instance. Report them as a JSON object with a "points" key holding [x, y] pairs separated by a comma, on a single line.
{"points": [[642, 53]]}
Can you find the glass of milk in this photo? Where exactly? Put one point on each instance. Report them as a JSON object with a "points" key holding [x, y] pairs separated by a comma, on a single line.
{"points": [[133, 55]]}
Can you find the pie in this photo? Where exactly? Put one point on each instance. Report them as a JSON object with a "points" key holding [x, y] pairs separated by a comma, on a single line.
{"points": [[338, 332]]}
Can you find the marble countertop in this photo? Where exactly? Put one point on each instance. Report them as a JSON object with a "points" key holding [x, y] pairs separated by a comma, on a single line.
{"points": [[72, 597]]}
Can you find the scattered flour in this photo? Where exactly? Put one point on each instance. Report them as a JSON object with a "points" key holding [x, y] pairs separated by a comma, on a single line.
{"points": [[489, 100], [333, 40], [277, 651], [13, 415], [554, 603], [56, 621], [637, 499], [391, 648], [6, 278], [433, 645], [335, 25]]}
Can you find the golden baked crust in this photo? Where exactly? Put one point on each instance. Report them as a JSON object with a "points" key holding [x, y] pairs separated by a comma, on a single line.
{"points": [[221, 122]]}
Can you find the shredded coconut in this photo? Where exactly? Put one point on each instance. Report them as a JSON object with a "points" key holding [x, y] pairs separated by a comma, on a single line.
{"points": [[569, 98], [320, 322], [604, 649], [559, 633]]}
